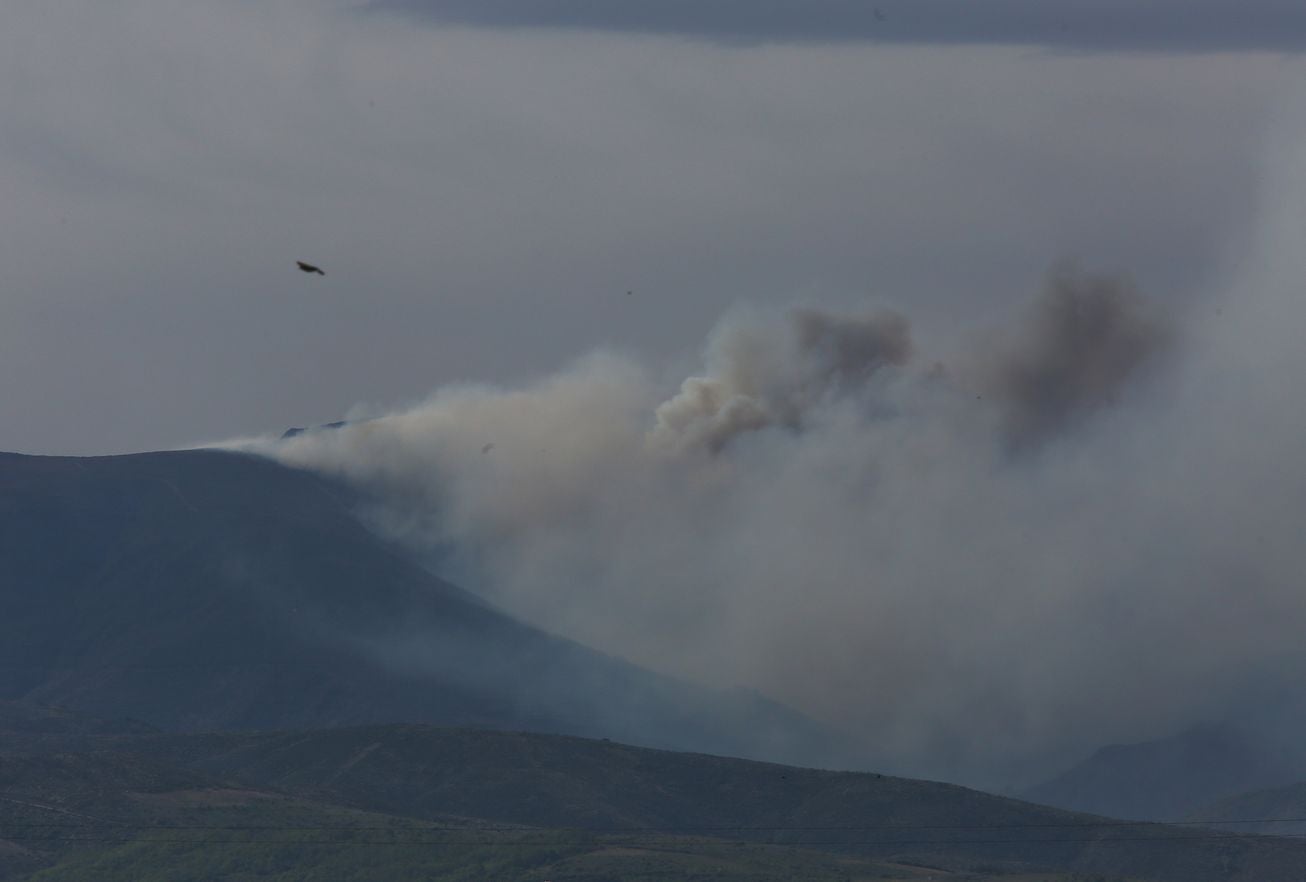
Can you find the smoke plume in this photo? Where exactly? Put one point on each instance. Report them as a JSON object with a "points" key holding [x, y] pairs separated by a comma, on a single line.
{"points": [[1081, 343], [774, 374], [1085, 529]]}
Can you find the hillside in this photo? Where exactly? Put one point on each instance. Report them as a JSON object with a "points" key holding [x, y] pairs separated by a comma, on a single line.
{"points": [[1169, 778], [1280, 811], [638, 796], [209, 665], [42, 728], [107, 816], [206, 590]]}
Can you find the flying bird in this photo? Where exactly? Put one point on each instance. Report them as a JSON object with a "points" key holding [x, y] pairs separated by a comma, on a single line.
{"points": [[309, 268], [488, 447]]}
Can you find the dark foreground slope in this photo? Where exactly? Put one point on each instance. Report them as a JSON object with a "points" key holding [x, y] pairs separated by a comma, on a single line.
{"points": [[107, 817], [614, 788], [569, 807], [206, 590]]}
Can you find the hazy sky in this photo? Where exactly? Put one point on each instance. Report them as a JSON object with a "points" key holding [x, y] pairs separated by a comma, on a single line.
{"points": [[483, 196]]}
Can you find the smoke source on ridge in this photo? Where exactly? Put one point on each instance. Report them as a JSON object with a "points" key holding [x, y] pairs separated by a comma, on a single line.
{"points": [[1083, 529]]}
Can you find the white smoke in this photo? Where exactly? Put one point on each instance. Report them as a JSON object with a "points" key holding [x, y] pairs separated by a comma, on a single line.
{"points": [[763, 374], [1085, 530]]}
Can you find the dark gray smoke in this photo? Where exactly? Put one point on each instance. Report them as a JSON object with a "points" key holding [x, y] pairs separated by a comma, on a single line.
{"points": [[1084, 339]]}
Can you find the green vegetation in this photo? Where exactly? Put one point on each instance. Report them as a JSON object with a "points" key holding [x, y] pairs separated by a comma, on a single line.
{"points": [[456, 855], [414, 802], [290, 857]]}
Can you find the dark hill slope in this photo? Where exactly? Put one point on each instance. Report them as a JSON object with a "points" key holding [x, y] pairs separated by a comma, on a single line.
{"points": [[615, 789], [1169, 778], [30, 728], [112, 817], [212, 590], [1280, 811], [42, 721], [109, 817]]}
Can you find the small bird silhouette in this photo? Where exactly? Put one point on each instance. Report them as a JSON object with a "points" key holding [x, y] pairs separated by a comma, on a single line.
{"points": [[309, 268], [488, 447]]}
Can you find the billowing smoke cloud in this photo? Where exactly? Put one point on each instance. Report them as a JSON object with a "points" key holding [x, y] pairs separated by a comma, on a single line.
{"points": [[775, 374], [840, 523]]}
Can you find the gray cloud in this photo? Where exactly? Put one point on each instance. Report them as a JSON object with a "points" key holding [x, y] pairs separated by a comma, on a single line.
{"points": [[1168, 25]]}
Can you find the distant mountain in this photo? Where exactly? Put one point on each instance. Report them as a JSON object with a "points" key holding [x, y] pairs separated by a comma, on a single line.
{"points": [[541, 807], [29, 728], [21, 719], [1280, 811], [1168, 779], [207, 590]]}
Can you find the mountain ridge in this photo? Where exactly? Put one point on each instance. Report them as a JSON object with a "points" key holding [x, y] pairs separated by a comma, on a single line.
{"points": [[1168, 778], [207, 589]]}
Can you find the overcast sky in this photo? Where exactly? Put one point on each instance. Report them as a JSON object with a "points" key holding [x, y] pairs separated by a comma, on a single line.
{"points": [[485, 182], [1174, 25]]}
